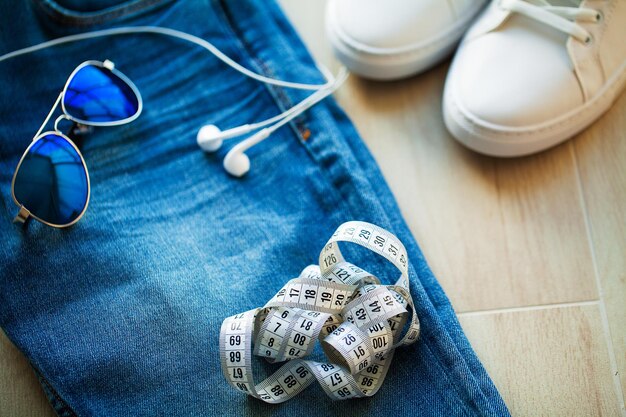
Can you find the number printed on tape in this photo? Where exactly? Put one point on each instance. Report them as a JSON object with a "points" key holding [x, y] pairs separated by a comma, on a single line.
{"points": [[358, 321]]}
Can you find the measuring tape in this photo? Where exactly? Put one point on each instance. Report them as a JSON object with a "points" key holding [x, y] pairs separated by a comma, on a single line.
{"points": [[358, 321]]}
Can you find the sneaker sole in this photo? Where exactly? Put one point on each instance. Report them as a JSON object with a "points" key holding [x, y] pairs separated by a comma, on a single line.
{"points": [[504, 141]]}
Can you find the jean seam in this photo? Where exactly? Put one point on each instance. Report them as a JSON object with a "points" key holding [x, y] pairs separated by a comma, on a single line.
{"points": [[459, 395], [265, 69], [277, 93], [60, 406], [73, 18]]}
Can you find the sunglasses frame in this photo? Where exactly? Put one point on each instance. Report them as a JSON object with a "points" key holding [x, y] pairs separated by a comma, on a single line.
{"points": [[24, 214], [111, 67]]}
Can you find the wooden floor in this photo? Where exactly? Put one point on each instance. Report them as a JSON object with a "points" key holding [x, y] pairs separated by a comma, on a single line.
{"points": [[531, 252]]}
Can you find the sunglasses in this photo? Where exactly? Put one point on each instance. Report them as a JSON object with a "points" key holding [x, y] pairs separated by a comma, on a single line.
{"points": [[51, 181]]}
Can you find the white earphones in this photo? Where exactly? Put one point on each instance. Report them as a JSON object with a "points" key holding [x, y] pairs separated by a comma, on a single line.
{"points": [[236, 162], [210, 137]]}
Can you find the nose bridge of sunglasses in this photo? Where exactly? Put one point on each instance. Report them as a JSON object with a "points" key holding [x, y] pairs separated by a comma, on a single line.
{"points": [[76, 129]]}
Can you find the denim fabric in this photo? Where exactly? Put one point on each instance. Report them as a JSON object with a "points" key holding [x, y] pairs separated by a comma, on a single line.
{"points": [[120, 314]]}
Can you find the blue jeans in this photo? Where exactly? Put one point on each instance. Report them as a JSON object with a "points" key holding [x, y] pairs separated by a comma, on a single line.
{"points": [[120, 314]]}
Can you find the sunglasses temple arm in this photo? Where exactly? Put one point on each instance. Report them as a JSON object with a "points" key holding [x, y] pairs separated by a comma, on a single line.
{"points": [[56, 103]]}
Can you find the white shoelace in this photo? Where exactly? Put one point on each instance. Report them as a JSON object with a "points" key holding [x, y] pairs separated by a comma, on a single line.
{"points": [[563, 18]]}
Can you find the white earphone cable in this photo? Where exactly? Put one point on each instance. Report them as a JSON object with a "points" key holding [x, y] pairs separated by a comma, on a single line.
{"points": [[320, 91], [294, 112], [176, 34], [305, 104], [312, 100]]}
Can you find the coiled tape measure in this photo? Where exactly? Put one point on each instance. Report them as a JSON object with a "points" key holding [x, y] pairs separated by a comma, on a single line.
{"points": [[358, 321]]}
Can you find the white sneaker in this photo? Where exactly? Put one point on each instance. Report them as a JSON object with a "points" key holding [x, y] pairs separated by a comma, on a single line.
{"points": [[530, 74], [392, 39]]}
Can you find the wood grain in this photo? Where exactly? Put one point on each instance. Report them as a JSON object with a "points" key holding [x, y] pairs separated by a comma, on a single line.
{"points": [[546, 362], [20, 392], [601, 154]]}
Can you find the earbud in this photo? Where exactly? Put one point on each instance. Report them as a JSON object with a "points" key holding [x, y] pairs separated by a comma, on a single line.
{"points": [[236, 162], [210, 137]]}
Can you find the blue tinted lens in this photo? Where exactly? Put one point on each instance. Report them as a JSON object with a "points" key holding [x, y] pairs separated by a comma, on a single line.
{"points": [[51, 181], [96, 94]]}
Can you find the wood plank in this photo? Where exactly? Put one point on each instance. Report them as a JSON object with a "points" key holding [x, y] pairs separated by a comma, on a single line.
{"points": [[601, 154], [546, 362], [497, 233], [20, 392]]}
